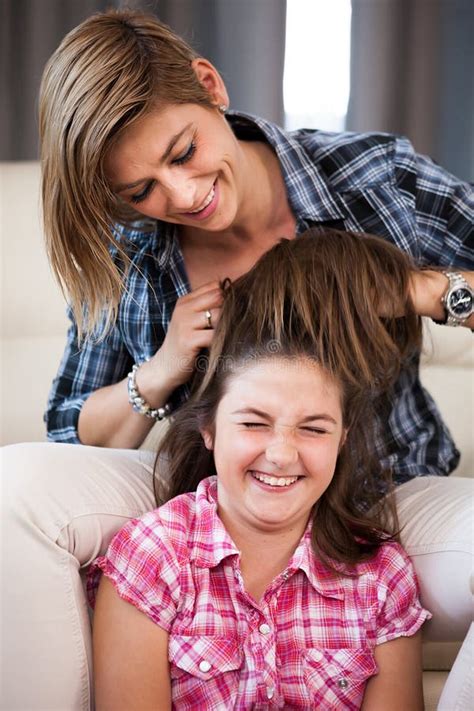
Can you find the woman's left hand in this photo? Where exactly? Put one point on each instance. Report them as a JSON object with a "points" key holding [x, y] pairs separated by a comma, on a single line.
{"points": [[427, 287]]}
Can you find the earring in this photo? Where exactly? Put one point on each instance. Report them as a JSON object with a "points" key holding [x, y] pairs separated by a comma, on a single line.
{"points": [[222, 108]]}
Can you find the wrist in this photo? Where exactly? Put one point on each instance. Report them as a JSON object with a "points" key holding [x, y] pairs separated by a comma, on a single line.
{"points": [[147, 400], [426, 291]]}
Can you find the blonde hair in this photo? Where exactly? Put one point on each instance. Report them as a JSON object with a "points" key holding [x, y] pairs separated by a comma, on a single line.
{"points": [[109, 71]]}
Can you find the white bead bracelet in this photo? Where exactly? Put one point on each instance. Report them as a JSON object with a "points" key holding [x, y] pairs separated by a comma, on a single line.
{"points": [[139, 404]]}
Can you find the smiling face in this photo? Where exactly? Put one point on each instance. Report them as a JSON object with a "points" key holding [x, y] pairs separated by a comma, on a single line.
{"points": [[180, 164], [276, 438]]}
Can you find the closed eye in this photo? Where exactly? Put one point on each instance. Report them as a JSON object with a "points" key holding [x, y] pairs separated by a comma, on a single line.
{"points": [[187, 155], [253, 425], [314, 430], [139, 197], [183, 158]]}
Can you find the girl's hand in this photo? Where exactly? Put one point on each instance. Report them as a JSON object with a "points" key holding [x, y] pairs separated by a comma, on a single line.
{"points": [[191, 328]]}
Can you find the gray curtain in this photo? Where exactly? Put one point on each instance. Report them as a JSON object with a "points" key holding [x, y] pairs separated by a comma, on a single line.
{"points": [[412, 72], [245, 39]]}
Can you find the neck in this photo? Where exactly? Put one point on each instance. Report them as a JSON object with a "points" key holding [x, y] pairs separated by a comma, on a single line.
{"points": [[265, 204], [263, 553], [264, 212]]}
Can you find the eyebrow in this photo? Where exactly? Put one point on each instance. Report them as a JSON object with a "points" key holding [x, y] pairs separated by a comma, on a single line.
{"points": [[310, 418], [173, 141]]}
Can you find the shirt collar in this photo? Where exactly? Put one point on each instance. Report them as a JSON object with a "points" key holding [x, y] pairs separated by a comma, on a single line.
{"points": [[322, 578], [212, 544], [308, 193]]}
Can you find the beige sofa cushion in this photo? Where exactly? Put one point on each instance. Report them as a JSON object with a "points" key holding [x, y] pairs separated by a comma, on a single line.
{"points": [[33, 321]]}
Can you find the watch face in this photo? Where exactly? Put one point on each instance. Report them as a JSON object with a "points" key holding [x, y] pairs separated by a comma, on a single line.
{"points": [[460, 302]]}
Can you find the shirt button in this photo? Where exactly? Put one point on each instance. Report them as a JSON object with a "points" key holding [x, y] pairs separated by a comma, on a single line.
{"points": [[204, 666], [270, 692], [318, 656], [264, 629], [342, 683]]}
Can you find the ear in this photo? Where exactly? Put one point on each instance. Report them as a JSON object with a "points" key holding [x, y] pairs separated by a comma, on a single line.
{"points": [[211, 80], [208, 440]]}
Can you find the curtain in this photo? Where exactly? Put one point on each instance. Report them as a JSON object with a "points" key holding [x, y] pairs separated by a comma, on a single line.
{"points": [[245, 39], [412, 73]]}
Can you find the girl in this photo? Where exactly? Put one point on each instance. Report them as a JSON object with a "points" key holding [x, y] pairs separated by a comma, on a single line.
{"points": [[264, 582]]}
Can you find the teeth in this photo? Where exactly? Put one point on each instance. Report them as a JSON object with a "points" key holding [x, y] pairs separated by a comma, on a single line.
{"points": [[206, 202], [275, 480]]}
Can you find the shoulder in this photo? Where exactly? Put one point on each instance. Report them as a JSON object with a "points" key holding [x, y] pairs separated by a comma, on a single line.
{"points": [[396, 607], [355, 160], [389, 577], [389, 560]]}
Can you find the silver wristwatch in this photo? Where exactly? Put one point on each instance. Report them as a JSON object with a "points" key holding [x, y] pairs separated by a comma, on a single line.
{"points": [[458, 300]]}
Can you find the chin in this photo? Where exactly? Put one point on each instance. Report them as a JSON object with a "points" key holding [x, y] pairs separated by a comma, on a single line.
{"points": [[219, 224], [272, 522]]}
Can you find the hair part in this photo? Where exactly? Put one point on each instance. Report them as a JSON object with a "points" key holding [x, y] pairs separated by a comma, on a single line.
{"points": [[108, 72], [318, 296]]}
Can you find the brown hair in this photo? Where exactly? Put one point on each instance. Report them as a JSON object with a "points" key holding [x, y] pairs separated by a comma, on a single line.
{"points": [[109, 71], [317, 296]]}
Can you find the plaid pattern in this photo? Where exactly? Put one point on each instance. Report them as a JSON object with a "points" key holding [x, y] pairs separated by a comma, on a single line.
{"points": [[307, 644], [368, 182]]}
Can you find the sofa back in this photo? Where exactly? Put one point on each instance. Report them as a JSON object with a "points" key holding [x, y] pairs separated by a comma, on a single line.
{"points": [[34, 325]]}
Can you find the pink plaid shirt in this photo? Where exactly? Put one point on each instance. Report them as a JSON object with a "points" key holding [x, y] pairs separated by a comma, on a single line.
{"points": [[308, 644]]}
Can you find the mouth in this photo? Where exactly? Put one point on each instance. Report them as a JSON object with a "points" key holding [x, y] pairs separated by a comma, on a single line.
{"points": [[207, 207], [275, 482], [209, 199]]}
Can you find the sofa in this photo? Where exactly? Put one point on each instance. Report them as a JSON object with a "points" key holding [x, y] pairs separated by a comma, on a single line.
{"points": [[33, 328]]}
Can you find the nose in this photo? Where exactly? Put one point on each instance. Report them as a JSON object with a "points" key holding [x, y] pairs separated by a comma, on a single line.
{"points": [[282, 453], [180, 193]]}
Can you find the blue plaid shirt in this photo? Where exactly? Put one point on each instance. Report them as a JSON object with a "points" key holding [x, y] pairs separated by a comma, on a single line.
{"points": [[369, 182]]}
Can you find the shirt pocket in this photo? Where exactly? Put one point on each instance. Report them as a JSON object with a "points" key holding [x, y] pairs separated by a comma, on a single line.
{"points": [[197, 658], [337, 677]]}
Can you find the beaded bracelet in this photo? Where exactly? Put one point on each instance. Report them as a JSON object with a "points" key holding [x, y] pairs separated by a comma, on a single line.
{"points": [[139, 404]]}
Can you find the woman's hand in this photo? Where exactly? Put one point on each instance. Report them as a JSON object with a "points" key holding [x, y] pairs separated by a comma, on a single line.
{"points": [[191, 328], [427, 287], [107, 418]]}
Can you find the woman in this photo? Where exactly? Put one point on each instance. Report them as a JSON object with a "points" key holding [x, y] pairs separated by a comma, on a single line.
{"points": [[133, 124]]}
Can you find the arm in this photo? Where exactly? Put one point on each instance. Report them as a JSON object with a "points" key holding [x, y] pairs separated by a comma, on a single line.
{"points": [[83, 370], [131, 669], [107, 418], [398, 684], [85, 373], [444, 221], [89, 402]]}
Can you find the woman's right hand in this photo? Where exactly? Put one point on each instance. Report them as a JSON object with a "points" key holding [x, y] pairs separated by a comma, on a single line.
{"points": [[188, 332], [107, 418]]}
